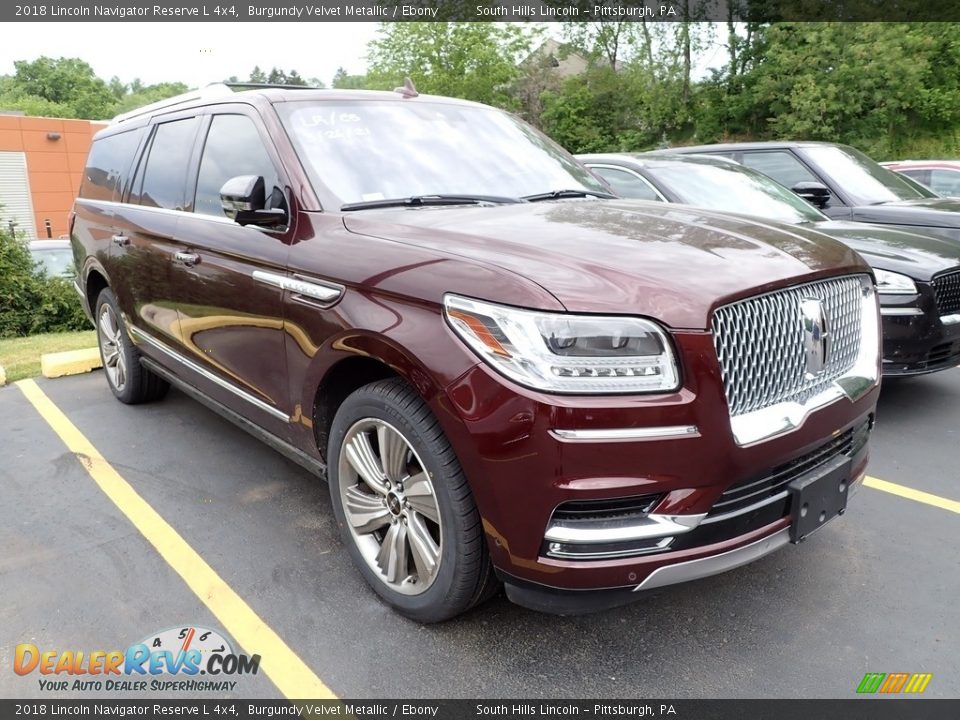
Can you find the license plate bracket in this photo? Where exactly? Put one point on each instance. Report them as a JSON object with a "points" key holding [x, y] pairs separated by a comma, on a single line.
{"points": [[818, 497]]}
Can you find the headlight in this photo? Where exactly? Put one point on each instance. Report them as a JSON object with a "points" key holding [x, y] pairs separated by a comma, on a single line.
{"points": [[891, 283], [565, 353]]}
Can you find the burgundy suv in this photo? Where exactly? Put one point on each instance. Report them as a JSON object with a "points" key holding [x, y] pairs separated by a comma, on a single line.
{"points": [[506, 374]]}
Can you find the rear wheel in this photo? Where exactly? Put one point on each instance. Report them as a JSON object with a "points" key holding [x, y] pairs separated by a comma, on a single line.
{"points": [[129, 382], [403, 504]]}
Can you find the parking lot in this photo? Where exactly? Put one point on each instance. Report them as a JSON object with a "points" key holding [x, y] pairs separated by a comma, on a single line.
{"points": [[876, 591]]}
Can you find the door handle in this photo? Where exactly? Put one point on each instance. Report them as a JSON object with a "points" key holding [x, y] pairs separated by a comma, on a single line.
{"points": [[120, 240], [187, 258]]}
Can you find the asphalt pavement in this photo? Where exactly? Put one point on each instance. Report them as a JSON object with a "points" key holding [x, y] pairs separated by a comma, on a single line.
{"points": [[875, 591]]}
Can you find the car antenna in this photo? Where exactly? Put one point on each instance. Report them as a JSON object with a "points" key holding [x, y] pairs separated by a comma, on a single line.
{"points": [[408, 90]]}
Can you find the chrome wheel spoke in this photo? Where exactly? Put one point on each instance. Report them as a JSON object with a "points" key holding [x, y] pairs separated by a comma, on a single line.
{"points": [[392, 558], [121, 371], [394, 453], [425, 552], [110, 354], [364, 461], [107, 331], [364, 511], [419, 493]]}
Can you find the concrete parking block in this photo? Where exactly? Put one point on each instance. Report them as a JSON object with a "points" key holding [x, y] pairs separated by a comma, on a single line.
{"points": [[3, 376], [72, 362]]}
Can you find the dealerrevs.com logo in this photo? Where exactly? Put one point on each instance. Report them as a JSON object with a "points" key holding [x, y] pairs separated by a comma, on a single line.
{"points": [[167, 661]]}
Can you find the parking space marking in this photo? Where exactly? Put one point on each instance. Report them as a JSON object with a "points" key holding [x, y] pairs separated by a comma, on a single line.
{"points": [[285, 669], [911, 494]]}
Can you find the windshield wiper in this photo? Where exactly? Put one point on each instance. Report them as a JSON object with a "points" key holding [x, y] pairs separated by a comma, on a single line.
{"points": [[559, 194], [423, 200]]}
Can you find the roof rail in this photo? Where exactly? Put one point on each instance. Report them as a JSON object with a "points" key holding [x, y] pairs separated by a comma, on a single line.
{"points": [[267, 86], [213, 90]]}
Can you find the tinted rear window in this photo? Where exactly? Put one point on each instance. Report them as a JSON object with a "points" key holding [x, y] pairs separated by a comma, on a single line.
{"points": [[165, 175], [108, 164]]}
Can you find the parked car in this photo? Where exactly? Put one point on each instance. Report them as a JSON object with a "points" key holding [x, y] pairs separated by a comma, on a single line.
{"points": [[505, 374], [845, 184], [941, 176], [918, 276], [54, 256]]}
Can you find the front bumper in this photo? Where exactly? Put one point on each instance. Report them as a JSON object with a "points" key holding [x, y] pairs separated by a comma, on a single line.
{"points": [[916, 339], [681, 451]]}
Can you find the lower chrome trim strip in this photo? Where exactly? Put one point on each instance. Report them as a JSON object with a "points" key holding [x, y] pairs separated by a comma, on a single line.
{"points": [[950, 319], [899, 312], [652, 526], [715, 564], [749, 508], [619, 434], [174, 355]]}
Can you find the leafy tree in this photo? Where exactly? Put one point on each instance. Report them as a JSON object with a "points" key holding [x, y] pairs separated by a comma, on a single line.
{"points": [[472, 60], [67, 87]]}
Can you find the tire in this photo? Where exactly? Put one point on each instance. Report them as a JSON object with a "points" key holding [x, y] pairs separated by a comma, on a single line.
{"points": [[409, 486], [129, 381]]}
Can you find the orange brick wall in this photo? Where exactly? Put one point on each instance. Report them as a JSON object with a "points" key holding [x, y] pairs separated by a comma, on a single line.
{"points": [[54, 167]]}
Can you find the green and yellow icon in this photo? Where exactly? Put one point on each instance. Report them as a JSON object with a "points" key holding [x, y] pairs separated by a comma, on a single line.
{"points": [[892, 683]]}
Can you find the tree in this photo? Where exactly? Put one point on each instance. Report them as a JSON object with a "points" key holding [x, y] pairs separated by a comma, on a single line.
{"points": [[472, 60], [67, 87]]}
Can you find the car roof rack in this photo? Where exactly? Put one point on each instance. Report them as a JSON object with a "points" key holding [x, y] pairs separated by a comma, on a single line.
{"points": [[213, 90], [209, 92]]}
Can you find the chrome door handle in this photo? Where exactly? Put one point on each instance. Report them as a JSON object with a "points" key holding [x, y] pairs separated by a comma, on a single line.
{"points": [[187, 258], [120, 240]]}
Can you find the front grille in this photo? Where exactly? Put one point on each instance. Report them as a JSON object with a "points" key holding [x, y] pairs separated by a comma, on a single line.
{"points": [[760, 343], [588, 511], [944, 354], [750, 492], [947, 289]]}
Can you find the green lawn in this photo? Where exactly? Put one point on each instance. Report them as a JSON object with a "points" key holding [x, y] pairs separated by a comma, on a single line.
{"points": [[20, 357]]}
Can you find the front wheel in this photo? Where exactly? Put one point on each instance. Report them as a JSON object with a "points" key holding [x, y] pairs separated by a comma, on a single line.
{"points": [[403, 504]]}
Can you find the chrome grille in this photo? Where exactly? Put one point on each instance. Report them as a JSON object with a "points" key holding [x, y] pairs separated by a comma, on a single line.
{"points": [[759, 343], [947, 289]]}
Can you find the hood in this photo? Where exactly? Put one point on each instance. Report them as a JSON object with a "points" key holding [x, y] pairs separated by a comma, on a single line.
{"points": [[669, 262], [910, 253], [925, 212]]}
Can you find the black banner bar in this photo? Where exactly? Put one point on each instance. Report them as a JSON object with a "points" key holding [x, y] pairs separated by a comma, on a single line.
{"points": [[480, 10], [874, 708]]}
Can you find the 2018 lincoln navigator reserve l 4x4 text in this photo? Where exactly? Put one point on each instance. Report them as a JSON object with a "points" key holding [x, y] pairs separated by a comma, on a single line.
{"points": [[506, 374]]}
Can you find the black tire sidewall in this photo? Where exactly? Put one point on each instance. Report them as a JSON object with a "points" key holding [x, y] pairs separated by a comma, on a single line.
{"points": [[430, 605]]}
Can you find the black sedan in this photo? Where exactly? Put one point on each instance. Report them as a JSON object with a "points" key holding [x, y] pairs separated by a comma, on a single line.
{"points": [[918, 276], [845, 184]]}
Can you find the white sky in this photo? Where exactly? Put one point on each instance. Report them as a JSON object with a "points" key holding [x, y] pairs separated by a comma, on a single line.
{"points": [[193, 53]]}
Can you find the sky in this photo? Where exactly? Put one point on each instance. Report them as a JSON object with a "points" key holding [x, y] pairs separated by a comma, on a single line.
{"points": [[193, 53]]}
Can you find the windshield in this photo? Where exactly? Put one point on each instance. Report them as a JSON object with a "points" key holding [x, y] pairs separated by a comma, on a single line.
{"points": [[866, 182], [365, 151], [733, 188]]}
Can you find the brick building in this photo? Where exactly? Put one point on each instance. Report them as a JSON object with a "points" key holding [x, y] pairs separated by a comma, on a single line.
{"points": [[41, 165]]}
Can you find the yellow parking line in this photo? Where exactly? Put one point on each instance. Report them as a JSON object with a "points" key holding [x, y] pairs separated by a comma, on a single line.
{"points": [[281, 664], [911, 494]]}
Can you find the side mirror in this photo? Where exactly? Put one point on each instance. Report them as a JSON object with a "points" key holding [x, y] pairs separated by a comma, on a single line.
{"points": [[814, 193], [244, 201]]}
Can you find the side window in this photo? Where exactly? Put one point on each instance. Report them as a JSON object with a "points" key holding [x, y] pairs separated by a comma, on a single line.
{"points": [[921, 176], [108, 164], [165, 173], [626, 184], [945, 182], [233, 148], [780, 165]]}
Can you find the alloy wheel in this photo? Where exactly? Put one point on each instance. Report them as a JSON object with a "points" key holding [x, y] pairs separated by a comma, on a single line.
{"points": [[111, 347], [390, 506]]}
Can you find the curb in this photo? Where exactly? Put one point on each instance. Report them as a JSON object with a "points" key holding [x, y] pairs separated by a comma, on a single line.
{"points": [[72, 362], [3, 376]]}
